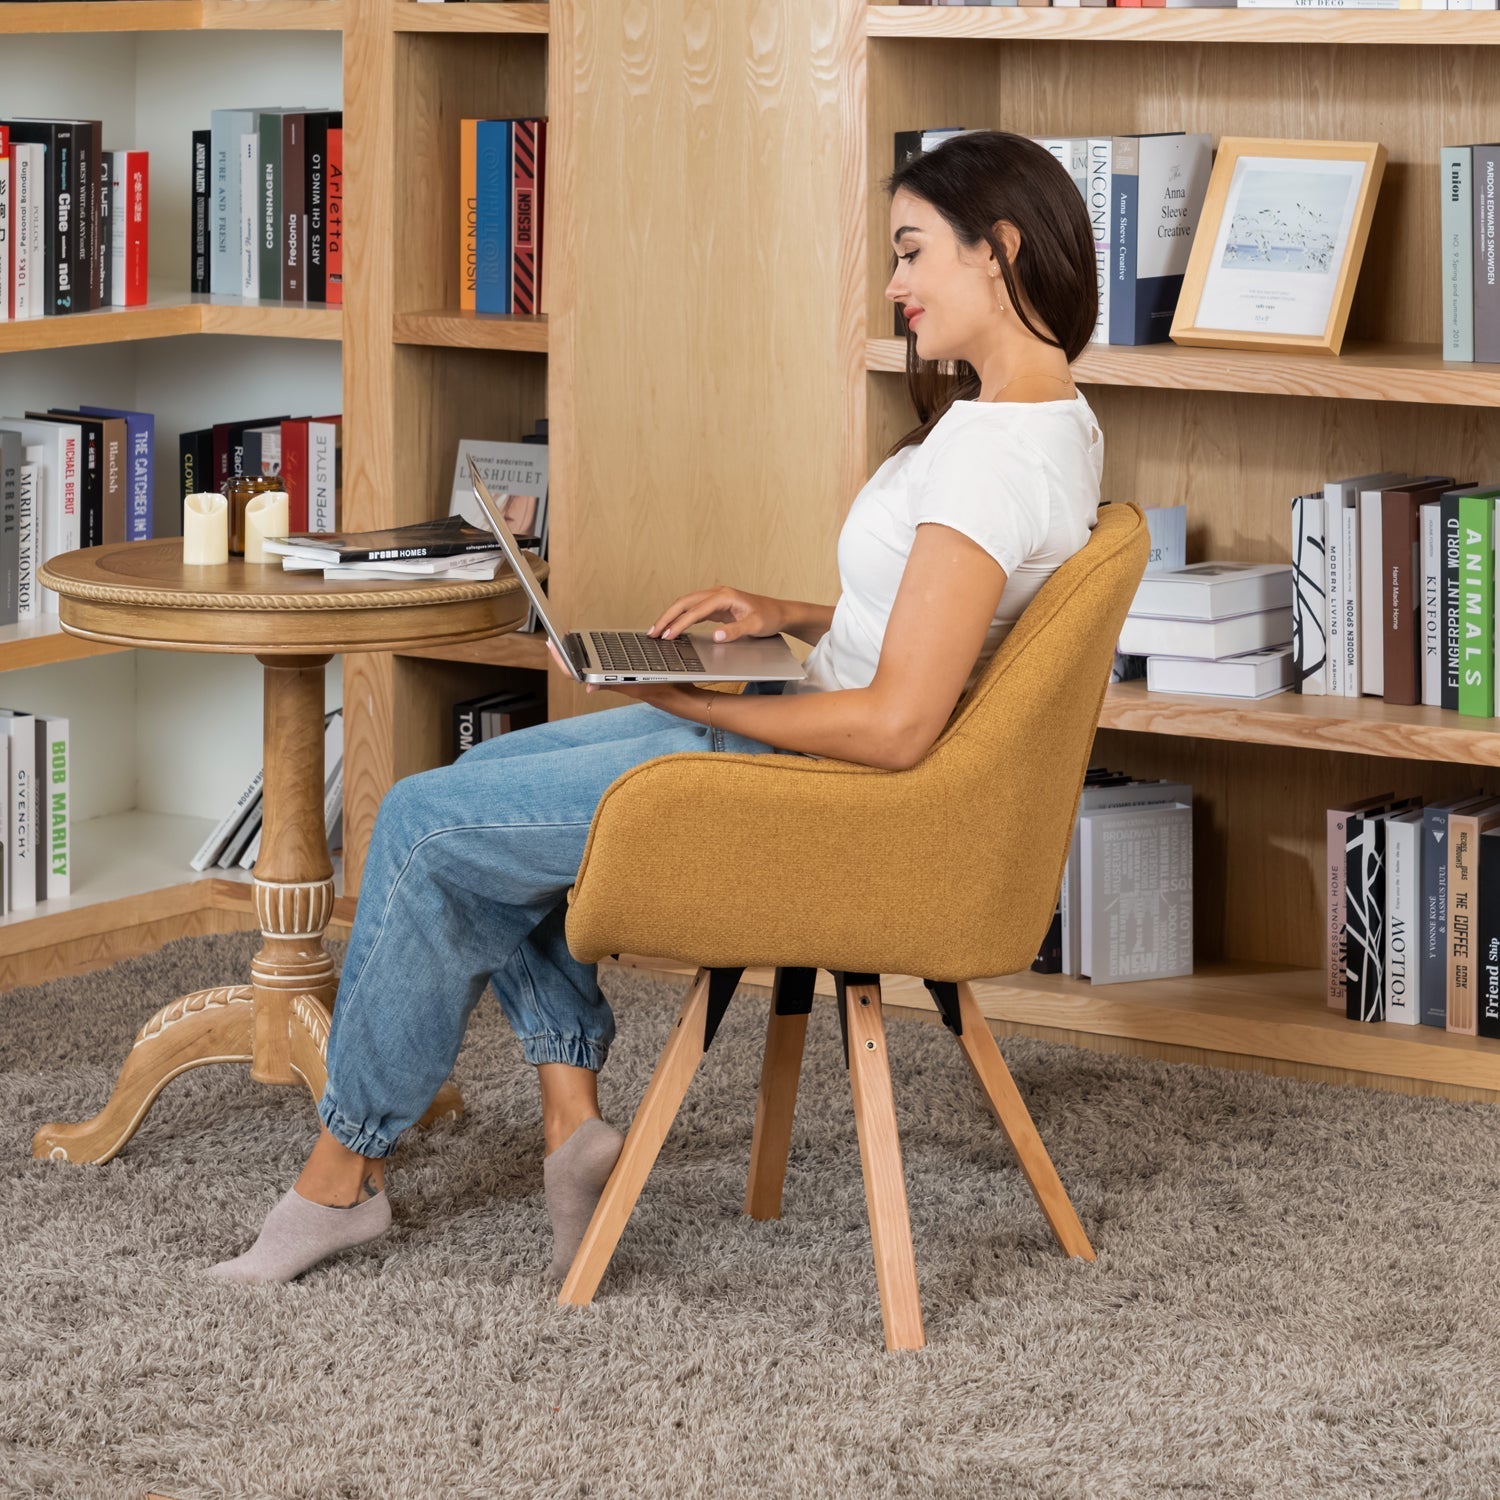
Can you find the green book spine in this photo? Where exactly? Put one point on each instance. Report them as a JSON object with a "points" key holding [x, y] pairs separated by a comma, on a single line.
{"points": [[269, 218], [1476, 594]]}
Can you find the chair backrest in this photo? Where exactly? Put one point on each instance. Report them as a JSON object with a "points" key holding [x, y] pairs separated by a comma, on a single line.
{"points": [[1005, 776]]}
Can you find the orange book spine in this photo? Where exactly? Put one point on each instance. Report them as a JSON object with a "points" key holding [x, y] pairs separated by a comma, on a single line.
{"points": [[468, 219]]}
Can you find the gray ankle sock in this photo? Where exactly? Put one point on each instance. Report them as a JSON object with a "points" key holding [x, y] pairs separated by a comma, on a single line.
{"points": [[574, 1176], [298, 1234]]}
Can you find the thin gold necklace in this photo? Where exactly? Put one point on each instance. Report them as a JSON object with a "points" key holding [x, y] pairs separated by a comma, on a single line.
{"points": [[1056, 379]]}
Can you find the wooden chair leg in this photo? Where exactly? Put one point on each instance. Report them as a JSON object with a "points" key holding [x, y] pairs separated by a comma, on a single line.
{"points": [[880, 1159], [653, 1119], [983, 1052], [771, 1141]]}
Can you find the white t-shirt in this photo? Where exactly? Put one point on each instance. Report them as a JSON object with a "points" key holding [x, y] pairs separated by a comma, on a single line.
{"points": [[1019, 478]]}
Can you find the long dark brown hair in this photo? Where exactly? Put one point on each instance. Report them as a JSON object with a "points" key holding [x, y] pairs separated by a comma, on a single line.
{"points": [[975, 182]]}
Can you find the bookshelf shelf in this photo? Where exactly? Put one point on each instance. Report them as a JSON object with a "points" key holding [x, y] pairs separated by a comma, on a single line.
{"points": [[447, 328], [172, 315], [1359, 726], [1042, 24], [516, 649], [124, 856], [1271, 1013], [272, 15], [411, 15], [43, 643], [1364, 372], [84, 16]]}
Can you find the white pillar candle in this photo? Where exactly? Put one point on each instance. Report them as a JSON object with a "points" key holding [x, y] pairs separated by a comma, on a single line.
{"points": [[205, 530], [267, 515]]}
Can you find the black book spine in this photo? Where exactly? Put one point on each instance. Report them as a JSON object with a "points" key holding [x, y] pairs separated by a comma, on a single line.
{"points": [[1364, 946], [465, 727], [1487, 968], [315, 189], [198, 264], [85, 188], [1448, 511], [106, 230], [91, 523], [196, 458], [1049, 956]]}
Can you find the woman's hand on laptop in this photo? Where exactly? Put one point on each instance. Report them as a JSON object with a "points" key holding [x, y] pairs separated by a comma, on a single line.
{"points": [[737, 613]]}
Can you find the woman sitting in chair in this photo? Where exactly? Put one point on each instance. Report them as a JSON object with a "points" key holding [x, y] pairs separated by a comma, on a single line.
{"points": [[469, 868]]}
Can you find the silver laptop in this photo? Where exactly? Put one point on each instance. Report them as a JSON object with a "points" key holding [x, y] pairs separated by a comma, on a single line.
{"points": [[605, 656]]}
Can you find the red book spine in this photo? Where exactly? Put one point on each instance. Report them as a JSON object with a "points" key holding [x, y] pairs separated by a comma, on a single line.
{"points": [[539, 217], [137, 225], [523, 218], [334, 291], [294, 472]]}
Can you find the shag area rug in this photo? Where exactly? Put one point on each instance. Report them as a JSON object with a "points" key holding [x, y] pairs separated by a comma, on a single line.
{"points": [[1297, 1290]]}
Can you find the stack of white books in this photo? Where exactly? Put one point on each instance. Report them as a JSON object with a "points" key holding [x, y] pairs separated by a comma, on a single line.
{"points": [[1222, 628]]}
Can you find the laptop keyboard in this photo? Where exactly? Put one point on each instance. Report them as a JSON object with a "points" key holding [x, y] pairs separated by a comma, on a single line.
{"points": [[626, 651]]}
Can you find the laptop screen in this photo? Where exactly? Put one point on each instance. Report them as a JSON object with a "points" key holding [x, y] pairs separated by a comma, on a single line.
{"points": [[512, 551]]}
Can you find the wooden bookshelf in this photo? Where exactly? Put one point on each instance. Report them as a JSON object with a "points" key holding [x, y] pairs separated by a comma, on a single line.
{"points": [[1362, 372], [1254, 27], [42, 643], [1233, 435], [171, 315], [518, 649]]}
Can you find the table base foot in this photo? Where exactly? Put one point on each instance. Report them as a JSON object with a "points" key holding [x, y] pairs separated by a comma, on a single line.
{"points": [[208, 1026]]}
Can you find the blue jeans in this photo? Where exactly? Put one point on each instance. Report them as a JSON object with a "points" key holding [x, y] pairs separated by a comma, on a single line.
{"points": [[466, 884]]}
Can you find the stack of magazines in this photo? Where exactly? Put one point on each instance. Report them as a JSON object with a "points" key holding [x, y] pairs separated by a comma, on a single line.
{"points": [[449, 548]]}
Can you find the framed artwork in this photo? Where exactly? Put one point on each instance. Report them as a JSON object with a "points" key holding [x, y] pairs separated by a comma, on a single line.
{"points": [[1279, 245]]}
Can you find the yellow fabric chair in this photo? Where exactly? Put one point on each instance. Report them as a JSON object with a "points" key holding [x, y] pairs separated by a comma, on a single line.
{"points": [[947, 871]]}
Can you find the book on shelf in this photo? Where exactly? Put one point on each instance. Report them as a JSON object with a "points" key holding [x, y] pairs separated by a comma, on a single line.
{"points": [[7, 231], [1257, 674], [1166, 525], [450, 537], [128, 197], [1103, 791], [1157, 187], [1364, 941], [1309, 596], [1145, 635], [1342, 533], [516, 472], [1401, 589], [53, 450], [1403, 916], [12, 452], [1465, 825], [261, 185], [1432, 973], [1213, 591], [1335, 907], [483, 718], [227, 826], [1487, 937], [502, 214], [36, 818], [1476, 602], [1137, 882]]}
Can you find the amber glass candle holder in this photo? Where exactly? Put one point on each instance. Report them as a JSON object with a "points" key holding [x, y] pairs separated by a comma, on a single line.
{"points": [[239, 492]]}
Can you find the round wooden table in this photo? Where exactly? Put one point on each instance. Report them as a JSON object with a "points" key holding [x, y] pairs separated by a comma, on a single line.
{"points": [[141, 594]]}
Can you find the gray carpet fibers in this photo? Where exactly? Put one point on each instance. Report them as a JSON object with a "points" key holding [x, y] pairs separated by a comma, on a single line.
{"points": [[1296, 1290]]}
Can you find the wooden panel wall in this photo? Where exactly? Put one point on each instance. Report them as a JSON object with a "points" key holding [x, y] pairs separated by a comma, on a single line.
{"points": [[706, 339]]}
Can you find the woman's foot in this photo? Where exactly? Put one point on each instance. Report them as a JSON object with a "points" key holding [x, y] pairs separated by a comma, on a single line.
{"points": [[574, 1176], [297, 1234]]}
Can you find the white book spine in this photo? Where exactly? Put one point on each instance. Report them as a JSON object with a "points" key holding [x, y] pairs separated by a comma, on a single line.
{"points": [[321, 476], [54, 783], [249, 220], [1349, 623], [251, 852], [23, 206], [1100, 195], [119, 211], [333, 802], [22, 849], [1432, 605], [38, 231], [29, 518], [1371, 596], [1403, 839]]}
